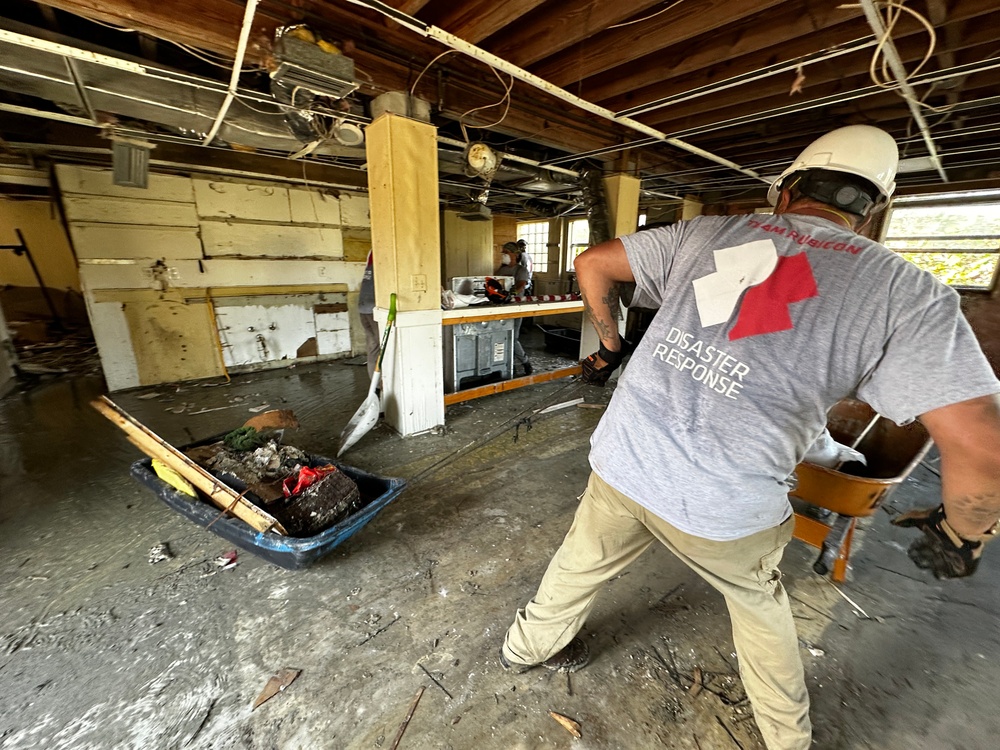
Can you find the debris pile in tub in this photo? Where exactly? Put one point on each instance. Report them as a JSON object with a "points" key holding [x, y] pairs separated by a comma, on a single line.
{"points": [[304, 497]]}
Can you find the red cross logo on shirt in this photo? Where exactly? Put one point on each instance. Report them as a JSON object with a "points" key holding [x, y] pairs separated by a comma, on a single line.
{"points": [[764, 308]]}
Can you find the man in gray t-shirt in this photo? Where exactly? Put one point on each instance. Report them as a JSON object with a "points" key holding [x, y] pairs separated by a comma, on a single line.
{"points": [[763, 324]]}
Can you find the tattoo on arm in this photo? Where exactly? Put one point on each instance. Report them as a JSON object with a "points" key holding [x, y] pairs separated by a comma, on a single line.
{"points": [[612, 300], [600, 325]]}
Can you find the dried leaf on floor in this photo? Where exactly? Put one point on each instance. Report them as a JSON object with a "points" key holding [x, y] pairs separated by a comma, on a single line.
{"points": [[278, 682]]}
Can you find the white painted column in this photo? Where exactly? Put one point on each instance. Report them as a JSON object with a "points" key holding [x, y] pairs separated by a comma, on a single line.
{"points": [[406, 246]]}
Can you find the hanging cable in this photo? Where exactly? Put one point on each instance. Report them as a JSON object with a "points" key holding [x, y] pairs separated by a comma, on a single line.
{"points": [[646, 18], [878, 68]]}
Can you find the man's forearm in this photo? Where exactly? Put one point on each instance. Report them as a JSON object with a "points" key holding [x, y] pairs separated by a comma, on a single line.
{"points": [[598, 272], [604, 312], [967, 435]]}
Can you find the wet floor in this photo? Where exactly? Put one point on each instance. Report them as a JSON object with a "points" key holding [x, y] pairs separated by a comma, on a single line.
{"points": [[101, 648]]}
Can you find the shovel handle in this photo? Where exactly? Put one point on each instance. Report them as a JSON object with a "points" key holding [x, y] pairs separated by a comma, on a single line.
{"points": [[388, 327]]}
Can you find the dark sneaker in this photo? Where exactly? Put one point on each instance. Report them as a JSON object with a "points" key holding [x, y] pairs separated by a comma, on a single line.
{"points": [[528, 368], [573, 657]]}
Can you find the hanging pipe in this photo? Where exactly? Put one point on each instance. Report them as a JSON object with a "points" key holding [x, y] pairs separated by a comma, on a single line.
{"points": [[234, 79]]}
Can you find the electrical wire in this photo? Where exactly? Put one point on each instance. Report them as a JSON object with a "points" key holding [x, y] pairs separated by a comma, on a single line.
{"points": [[505, 97], [884, 80], [413, 88], [646, 18]]}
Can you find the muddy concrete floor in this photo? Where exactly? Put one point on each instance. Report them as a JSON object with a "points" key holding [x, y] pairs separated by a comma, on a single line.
{"points": [[99, 648]]}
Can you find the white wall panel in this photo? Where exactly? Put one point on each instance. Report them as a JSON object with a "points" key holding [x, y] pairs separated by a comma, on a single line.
{"points": [[114, 344], [354, 210], [314, 207], [231, 200], [270, 240]]}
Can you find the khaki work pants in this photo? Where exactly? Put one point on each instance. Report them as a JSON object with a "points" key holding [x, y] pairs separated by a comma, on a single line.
{"points": [[609, 532]]}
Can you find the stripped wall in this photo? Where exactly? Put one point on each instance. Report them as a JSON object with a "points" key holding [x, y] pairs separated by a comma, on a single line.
{"points": [[177, 274]]}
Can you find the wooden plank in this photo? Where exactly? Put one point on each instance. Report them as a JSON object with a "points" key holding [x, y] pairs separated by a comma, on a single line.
{"points": [[98, 181], [213, 25], [154, 446], [474, 21], [510, 385], [129, 211], [560, 25], [172, 339], [520, 312], [619, 46], [270, 240], [131, 241], [194, 294]]}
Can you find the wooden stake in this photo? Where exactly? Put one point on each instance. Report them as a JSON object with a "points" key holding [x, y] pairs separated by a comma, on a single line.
{"points": [[153, 445], [406, 721], [573, 727]]}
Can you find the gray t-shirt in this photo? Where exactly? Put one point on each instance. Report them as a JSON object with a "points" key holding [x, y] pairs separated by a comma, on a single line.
{"points": [[764, 323]]}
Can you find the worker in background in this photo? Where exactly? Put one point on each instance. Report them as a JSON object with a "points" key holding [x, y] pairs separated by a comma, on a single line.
{"points": [[763, 324], [366, 309], [512, 264], [525, 259]]}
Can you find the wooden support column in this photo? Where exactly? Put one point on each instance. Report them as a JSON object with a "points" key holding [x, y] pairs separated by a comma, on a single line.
{"points": [[622, 193], [691, 207], [406, 246]]}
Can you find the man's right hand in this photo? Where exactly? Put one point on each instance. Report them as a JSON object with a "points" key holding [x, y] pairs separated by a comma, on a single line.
{"points": [[599, 366], [941, 550]]}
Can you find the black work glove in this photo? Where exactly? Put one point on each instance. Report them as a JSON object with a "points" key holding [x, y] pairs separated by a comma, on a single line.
{"points": [[941, 550], [598, 376]]}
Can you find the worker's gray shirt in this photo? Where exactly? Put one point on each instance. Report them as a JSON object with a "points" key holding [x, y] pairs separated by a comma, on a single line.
{"points": [[366, 292], [764, 323]]}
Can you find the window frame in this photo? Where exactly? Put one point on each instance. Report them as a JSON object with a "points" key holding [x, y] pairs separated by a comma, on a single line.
{"points": [[539, 257], [944, 201]]}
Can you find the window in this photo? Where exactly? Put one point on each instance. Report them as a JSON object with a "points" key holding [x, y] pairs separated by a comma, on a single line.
{"points": [[577, 239], [960, 244], [536, 235]]}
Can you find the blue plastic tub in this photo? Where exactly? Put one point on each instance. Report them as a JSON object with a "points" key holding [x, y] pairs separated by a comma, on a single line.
{"points": [[287, 552]]}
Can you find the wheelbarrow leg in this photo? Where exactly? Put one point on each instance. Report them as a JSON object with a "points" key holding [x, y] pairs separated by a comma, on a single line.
{"points": [[840, 565], [830, 555]]}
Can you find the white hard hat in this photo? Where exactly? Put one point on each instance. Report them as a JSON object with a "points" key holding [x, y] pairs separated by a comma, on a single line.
{"points": [[861, 150]]}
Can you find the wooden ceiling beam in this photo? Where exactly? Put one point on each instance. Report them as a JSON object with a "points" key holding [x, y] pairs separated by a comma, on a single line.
{"points": [[614, 48], [474, 21], [822, 79], [801, 32], [214, 26], [706, 58], [559, 25]]}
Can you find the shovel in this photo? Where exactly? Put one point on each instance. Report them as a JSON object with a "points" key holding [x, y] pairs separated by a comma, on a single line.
{"points": [[367, 414]]}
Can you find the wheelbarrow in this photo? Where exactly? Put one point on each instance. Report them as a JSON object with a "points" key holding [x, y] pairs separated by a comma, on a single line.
{"points": [[854, 490]]}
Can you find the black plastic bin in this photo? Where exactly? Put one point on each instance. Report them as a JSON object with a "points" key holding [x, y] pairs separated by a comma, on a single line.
{"points": [[565, 341], [287, 552]]}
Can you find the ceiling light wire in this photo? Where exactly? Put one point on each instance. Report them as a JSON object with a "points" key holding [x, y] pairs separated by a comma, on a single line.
{"points": [[646, 18]]}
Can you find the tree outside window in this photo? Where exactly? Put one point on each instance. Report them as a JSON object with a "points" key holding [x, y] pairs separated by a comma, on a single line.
{"points": [[959, 244]]}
